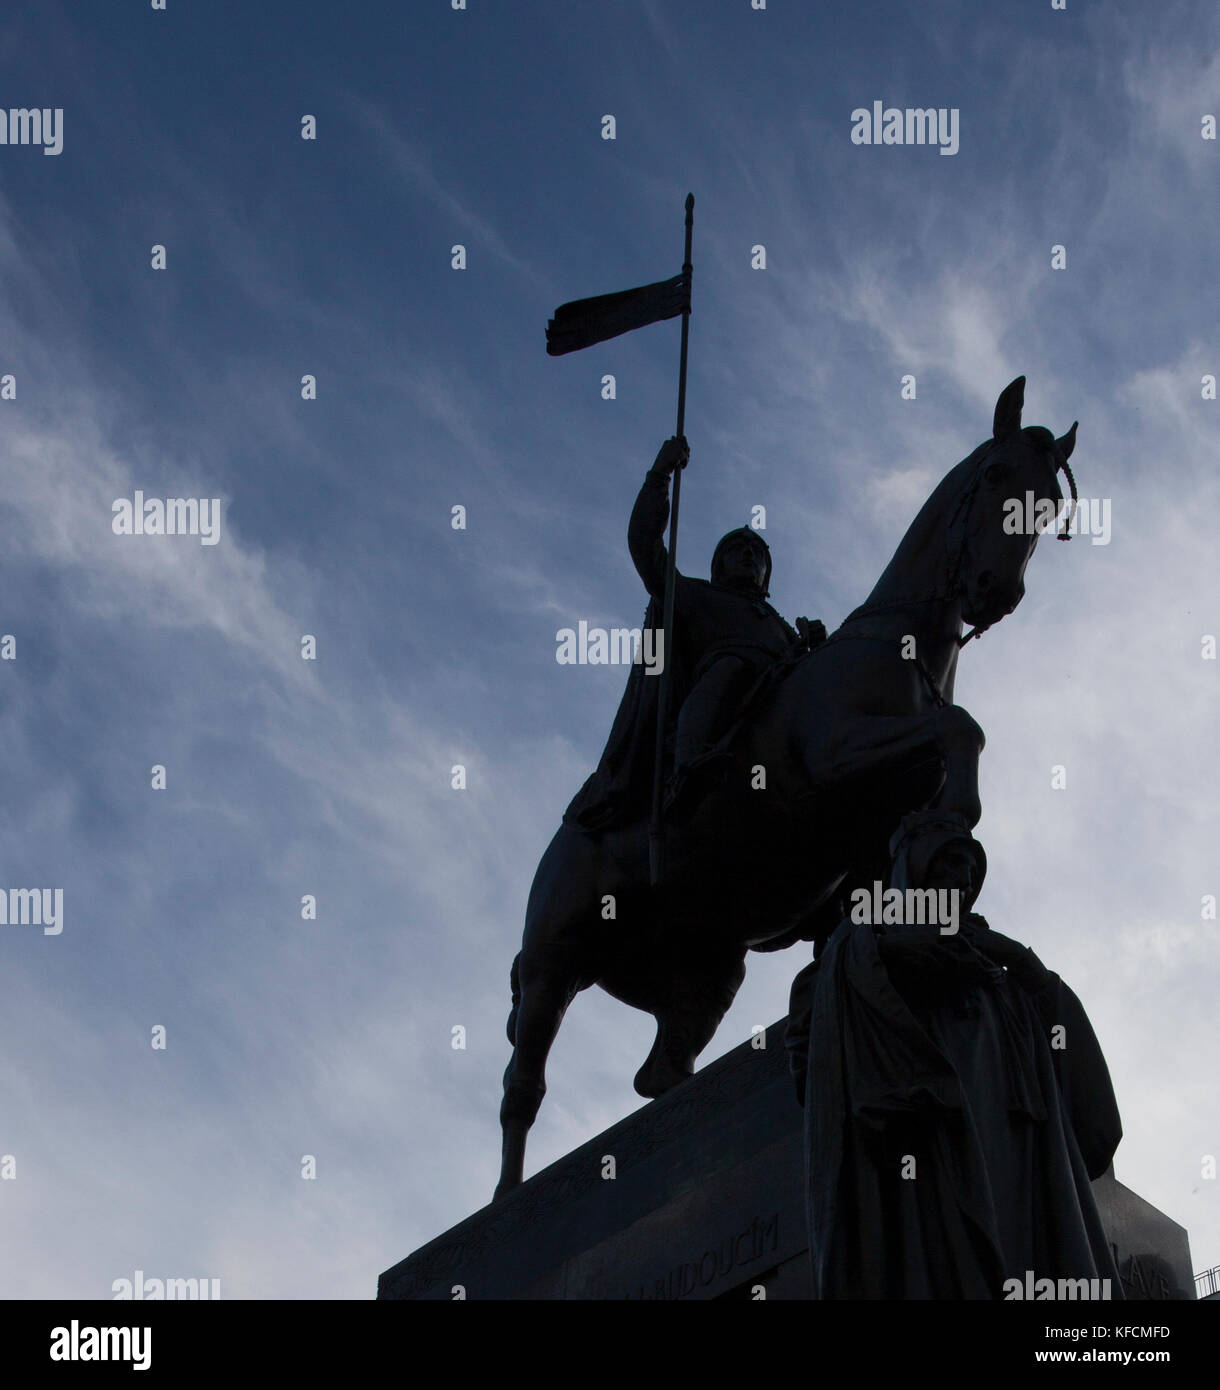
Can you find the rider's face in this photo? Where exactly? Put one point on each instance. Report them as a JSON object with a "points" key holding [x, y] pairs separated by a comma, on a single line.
{"points": [[743, 563]]}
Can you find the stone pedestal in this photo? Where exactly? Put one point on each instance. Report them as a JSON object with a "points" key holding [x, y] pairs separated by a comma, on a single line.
{"points": [[706, 1201]]}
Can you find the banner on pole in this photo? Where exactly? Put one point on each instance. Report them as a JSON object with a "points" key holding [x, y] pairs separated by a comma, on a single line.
{"points": [[584, 322]]}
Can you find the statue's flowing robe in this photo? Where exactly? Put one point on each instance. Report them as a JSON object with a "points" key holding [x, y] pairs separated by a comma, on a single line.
{"points": [[949, 1146], [620, 789]]}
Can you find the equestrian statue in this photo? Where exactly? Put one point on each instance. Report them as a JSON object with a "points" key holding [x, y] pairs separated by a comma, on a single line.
{"points": [[794, 757]]}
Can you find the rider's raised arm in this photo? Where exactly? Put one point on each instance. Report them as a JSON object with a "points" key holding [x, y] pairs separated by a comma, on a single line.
{"points": [[650, 515]]}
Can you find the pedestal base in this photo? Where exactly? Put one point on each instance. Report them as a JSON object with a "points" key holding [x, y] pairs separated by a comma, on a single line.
{"points": [[706, 1201]]}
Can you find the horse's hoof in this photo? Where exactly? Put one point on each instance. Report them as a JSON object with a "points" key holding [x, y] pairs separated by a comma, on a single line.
{"points": [[654, 1078]]}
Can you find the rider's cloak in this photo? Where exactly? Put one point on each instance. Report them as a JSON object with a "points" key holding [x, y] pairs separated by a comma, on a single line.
{"points": [[620, 789]]}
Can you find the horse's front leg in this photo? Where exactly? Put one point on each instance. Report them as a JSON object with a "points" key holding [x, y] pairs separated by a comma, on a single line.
{"points": [[867, 747], [960, 741]]}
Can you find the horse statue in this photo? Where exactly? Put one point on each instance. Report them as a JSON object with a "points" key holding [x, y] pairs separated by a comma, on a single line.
{"points": [[858, 732]]}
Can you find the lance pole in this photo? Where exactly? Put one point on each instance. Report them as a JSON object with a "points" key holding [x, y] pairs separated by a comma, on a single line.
{"points": [[656, 833]]}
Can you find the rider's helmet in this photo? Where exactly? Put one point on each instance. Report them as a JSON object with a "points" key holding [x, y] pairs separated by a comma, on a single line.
{"points": [[757, 541]]}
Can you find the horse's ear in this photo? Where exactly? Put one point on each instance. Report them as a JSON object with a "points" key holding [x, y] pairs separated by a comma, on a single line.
{"points": [[1008, 409], [1067, 442]]}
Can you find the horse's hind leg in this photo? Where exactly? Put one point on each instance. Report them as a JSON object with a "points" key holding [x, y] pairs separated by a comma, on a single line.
{"points": [[688, 1024], [543, 987], [665, 1066]]}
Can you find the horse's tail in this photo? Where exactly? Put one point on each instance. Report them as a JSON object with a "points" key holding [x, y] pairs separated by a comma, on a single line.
{"points": [[514, 980]]}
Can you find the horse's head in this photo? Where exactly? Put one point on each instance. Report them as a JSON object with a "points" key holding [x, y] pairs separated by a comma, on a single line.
{"points": [[1011, 493]]}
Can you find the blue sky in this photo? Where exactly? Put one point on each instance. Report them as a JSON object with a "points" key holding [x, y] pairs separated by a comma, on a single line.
{"points": [[332, 257]]}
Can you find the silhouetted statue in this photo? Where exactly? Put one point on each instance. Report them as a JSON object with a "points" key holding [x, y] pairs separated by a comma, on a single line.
{"points": [[726, 637], [957, 1103], [859, 731]]}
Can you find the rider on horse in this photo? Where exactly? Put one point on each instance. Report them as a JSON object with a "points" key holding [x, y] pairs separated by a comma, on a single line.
{"points": [[726, 636]]}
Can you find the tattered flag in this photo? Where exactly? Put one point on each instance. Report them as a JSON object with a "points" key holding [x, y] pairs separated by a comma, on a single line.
{"points": [[584, 322]]}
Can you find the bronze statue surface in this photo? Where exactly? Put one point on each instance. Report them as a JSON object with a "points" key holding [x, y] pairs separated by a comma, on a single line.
{"points": [[860, 730]]}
